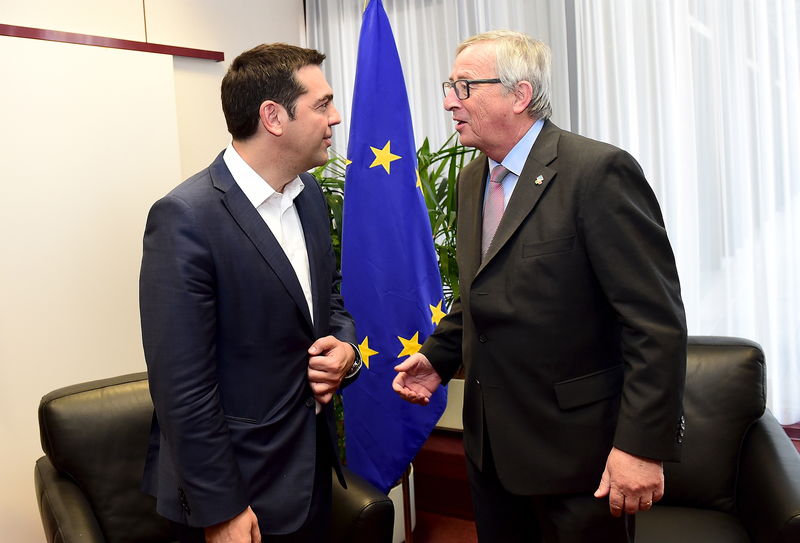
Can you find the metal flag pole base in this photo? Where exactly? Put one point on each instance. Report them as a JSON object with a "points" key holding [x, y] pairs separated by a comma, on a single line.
{"points": [[407, 505]]}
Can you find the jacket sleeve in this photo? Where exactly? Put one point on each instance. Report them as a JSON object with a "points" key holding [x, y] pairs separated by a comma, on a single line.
{"points": [[178, 315], [443, 346], [632, 259]]}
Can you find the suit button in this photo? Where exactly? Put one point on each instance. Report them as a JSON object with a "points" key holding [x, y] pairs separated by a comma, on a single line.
{"points": [[310, 402], [184, 501], [482, 338]]}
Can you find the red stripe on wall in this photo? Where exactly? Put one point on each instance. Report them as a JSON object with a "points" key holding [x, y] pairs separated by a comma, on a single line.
{"points": [[114, 43]]}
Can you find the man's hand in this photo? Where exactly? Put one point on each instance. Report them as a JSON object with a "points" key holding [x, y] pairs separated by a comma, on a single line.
{"points": [[243, 528], [416, 380], [632, 483], [329, 361]]}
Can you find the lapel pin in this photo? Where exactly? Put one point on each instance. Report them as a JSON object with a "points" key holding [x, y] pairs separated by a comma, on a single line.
{"points": [[538, 180]]}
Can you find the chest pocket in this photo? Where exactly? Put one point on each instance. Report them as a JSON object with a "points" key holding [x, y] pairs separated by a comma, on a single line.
{"points": [[548, 247]]}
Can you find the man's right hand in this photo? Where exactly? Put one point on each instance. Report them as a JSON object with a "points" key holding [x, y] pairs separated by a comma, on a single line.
{"points": [[243, 528], [416, 379]]}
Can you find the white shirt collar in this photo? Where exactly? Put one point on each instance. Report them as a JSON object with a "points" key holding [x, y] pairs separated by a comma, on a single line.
{"points": [[253, 185]]}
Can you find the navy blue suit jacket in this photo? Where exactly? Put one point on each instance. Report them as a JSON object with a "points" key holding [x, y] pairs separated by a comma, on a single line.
{"points": [[226, 329]]}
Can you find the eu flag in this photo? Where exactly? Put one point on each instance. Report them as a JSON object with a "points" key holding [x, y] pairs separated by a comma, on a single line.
{"points": [[391, 283]]}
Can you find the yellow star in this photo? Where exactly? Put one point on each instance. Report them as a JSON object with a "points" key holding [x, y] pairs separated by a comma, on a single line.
{"points": [[410, 346], [419, 182], [436, 312], [347, 162], [366, 352], [383, 157]]}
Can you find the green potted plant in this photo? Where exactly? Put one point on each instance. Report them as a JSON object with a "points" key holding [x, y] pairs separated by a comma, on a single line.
{"points": [[438, 170]]}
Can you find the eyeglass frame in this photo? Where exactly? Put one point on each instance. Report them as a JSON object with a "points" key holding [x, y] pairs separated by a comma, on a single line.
{"points": [[447, 85]]}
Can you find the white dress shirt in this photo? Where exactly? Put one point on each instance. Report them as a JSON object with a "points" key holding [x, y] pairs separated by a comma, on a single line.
{"points": [[279, 213]]}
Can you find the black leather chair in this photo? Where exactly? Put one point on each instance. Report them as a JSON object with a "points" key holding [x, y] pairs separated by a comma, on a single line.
{"points": [[95, 438], [739, 479]]}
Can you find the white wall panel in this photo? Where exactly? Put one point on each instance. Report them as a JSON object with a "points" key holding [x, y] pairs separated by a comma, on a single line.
{"points": [[89, 138], [123, 19], [232, 27], [88, 141]]}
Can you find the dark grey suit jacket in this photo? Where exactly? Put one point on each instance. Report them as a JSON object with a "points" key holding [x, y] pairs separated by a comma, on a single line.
{"points": [[572, 330], [226, 329]]}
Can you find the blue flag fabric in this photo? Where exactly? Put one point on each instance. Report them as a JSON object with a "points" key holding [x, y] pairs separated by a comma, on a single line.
{"points": [[391, 283]]}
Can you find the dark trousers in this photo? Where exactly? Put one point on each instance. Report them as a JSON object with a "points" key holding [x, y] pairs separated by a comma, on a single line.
{"points": [[502, 517], [317, 526]]}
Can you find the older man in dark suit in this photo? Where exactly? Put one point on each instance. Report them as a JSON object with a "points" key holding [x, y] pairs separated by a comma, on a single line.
{"points": [[570, 323], [244, 332]]}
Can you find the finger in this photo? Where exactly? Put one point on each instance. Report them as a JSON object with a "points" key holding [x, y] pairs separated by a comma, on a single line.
{"points": [[406, 364], [398, 383], [645, 504], [604, 486], [406, 393], [320, 376], [410, 396], [420, 398], [323, 396], [322, 344], [255, 531], [318, 389], [616, 502], [323, 363], [631, 505]]}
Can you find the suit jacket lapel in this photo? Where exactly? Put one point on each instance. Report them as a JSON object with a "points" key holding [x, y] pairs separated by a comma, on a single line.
{"points": [[309, 219], [248, 219], [470, 212], [533, 181]]}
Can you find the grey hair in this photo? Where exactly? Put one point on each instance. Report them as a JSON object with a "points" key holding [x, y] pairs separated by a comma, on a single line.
{"points": [[518, 57]]}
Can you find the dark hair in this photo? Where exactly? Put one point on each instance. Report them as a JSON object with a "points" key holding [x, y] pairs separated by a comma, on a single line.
{"points": [[265, 72]]}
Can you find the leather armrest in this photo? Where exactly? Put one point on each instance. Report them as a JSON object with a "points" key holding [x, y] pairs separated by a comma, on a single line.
{"points": [[769, 483], [361, 513], [67, 516]]}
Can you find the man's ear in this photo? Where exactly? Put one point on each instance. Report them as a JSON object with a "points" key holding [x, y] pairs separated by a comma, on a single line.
{"points": [[273, 117], [523, 95]]}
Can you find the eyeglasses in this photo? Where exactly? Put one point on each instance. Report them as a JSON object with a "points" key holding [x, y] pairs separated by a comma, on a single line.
{"points": [[461, 86]]}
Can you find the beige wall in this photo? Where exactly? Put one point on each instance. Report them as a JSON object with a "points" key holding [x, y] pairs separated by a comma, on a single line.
{"points": [[89, 138], [204, 24]]}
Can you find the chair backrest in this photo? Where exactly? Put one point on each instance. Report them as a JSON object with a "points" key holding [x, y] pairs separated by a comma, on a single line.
{"points": [[97, 433], [725, 394]]}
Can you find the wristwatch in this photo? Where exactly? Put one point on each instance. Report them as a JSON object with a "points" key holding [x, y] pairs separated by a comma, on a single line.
{"points": [[357, 363]]}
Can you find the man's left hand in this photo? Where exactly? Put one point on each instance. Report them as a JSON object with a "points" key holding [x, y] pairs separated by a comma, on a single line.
{"points": [[329, 361], [632, 483]]}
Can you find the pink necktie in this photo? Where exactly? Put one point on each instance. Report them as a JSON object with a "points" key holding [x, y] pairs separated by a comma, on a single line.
{"points": [[493, 207]]}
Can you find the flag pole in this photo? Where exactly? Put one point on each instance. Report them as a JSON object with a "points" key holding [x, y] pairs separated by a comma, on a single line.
{"points": [[407, 505]]}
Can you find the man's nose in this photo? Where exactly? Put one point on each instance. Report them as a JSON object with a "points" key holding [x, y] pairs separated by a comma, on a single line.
{"points": [[451, 101], [334, 118]]}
